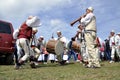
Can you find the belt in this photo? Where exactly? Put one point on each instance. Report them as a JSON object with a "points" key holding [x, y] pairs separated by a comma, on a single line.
{"points": [[90, 31]]}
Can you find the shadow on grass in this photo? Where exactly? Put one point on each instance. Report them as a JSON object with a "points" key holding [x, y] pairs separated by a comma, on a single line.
{"points": [[53, 65]]}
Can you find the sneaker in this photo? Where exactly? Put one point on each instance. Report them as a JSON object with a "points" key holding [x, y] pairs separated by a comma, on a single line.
{"points": [[80, 62], [111, 62], [67, 62], [36, 63], [77, 60], [45, 62]]}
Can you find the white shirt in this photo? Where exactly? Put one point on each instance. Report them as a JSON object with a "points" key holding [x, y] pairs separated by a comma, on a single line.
{"points": [[63, 39], [112, 40], [34, 40], [117, 40], [87, 19]]}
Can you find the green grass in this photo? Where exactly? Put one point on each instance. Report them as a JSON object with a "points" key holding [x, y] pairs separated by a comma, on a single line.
{"points": [[73, 71]]}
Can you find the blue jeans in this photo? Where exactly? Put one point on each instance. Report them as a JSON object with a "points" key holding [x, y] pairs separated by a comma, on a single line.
{"points": [[108, 54], [72, 52]]}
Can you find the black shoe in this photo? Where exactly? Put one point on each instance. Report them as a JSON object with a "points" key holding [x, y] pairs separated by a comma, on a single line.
{"points": [[32, 65], [16, 67], [62, 62]]}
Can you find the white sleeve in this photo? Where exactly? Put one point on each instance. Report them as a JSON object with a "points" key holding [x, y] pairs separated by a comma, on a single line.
{"points": [[87, 19], [63, 39], [34, 22], [15, 33], [36, 40], [112, 40], [117, 40], [110, 43]]}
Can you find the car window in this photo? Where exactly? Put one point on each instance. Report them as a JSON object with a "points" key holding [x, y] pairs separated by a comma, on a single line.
{"points": [[5, 28]]}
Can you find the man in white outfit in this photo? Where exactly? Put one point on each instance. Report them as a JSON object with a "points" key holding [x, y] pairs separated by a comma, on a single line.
{"points": [[34, 42], [63, 40], [24, 36], [88, 23], [18, 50], [114, 45], [61, 37], [41, 46], [117, 42]]}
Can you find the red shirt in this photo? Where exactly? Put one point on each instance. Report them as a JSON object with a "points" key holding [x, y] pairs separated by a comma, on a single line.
{"points": [[25, 32]]}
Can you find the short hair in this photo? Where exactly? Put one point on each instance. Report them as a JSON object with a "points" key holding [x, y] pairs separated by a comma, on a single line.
{"points": [[73, 39]]}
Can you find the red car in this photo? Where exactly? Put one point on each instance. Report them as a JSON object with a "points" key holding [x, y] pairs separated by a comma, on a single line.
{"points": [[6, 42]]}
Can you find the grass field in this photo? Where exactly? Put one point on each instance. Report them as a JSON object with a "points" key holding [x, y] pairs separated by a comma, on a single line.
{"points": [[72, 71]]}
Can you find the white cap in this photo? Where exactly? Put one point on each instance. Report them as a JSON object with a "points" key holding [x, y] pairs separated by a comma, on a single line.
{"points": [[90, 8], [58, 31], [113, 31], [41, 37]]}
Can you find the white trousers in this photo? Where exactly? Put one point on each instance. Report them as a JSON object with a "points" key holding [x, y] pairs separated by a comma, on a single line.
{"points": [[41, 57], [115, 49], [37, 51], [90, 44], [19, 49], [24, 44]]}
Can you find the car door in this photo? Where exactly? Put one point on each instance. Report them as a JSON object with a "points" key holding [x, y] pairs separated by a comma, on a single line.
{"points": [[6, 37]]}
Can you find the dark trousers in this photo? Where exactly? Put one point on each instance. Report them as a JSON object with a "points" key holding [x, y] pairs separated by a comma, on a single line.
{"points": [[45, 57], [72, 52], [16, 56], [108, 55]]}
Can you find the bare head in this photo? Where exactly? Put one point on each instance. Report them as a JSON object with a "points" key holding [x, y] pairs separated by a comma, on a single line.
{"points": [[34, 30], [30, 17]]}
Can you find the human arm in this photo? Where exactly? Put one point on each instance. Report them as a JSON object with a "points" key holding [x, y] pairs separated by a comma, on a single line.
{"points": [[85, 20]]}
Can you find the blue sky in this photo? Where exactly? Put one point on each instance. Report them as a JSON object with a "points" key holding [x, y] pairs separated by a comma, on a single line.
{"points": [[57, 14]]}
